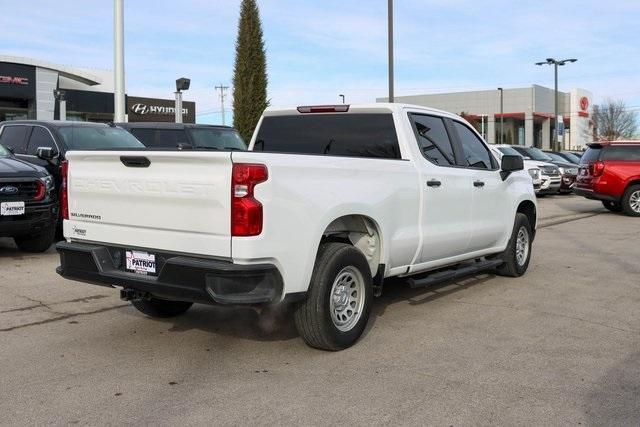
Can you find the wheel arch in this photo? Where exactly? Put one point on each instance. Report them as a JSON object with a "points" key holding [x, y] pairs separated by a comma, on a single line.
{"points": [[528, 208], [361, 231]]}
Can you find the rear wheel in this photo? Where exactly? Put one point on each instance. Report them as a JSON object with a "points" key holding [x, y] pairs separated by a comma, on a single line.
{"points": [[518, 252], [631, 201], [612, 206], [335, 312], [38, 243], [161, 308]]}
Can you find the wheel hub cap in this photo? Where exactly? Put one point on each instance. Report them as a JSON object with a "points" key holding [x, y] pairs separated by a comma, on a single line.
{"points": [[522, 246], [347, 298], [634, 201]]}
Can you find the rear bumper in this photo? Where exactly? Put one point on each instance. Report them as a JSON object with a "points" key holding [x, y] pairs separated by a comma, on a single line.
{"points": [[590, 194], [36, 219], [180, 278]]}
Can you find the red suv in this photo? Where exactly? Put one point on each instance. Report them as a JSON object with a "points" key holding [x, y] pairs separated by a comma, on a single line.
{"points": [[610, 172]]}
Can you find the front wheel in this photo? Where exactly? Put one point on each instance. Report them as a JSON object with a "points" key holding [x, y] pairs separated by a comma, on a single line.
{"points": [[38, 243], [612, 206], [161, 308], [518, 253], [335, 312]]}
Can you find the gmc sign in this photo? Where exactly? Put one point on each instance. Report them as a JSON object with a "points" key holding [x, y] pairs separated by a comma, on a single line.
{"points": [[14, 80]]}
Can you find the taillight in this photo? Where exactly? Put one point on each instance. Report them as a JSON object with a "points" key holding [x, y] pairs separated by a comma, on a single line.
{"points": [[246, 211], [41, 190], [64, 196], [596, 168]]}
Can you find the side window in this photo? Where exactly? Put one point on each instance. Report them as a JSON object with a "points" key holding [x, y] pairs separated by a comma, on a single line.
{"points": [[170, 138], [146, 136], [476, 155], [15, 137], [40, 137], [433, 139], [629, 153]]}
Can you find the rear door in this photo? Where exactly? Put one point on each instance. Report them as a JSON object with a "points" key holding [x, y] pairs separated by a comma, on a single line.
{"points": [[174, 201], [446, 202]]}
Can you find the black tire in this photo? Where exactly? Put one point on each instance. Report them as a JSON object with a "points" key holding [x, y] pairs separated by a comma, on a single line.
{"points": [[629, 199], [38, 243], [313, 316], [612, 206], [161, 308], [511, 267]]}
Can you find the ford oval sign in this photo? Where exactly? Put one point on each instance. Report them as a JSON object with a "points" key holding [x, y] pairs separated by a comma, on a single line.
{"points": [[9, 190]]}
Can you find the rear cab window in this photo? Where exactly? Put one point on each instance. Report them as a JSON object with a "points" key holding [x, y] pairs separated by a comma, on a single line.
{"points": [[371, 135], [217, 139]]}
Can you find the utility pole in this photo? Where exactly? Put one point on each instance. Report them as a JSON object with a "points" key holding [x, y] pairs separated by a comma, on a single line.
{"points": [[118, 61], [222, 90], [501, 115], [556, 62], [390, 42]]}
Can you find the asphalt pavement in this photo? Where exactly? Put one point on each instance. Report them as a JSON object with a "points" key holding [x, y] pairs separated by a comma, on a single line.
{"points": [[560, 345]]}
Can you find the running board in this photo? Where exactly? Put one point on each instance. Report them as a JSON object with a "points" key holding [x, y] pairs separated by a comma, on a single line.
{"points": [[454, 273]]}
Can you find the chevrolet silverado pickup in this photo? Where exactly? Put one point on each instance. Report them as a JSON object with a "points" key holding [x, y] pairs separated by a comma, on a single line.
{"points": [[328, 202]]}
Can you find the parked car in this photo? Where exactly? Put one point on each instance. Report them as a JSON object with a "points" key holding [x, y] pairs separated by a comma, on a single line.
{"points": [[566, 156], [610, 172], [28, 205], [328, 202], [567, 170], [46, 143], [548, 178], [186, 136]]}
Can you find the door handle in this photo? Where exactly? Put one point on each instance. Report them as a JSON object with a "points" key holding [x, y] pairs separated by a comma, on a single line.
{"points": [[135, 161], [433, 183], [478, 183]]}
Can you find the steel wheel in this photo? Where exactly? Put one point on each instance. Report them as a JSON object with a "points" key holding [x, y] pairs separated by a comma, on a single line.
{"points": [[634, 201], [347, 298], [522, 246]]}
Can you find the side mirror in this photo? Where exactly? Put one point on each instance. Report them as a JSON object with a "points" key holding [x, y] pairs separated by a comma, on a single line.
{"points": [[11, 149], [46, 153], [510, 163]]}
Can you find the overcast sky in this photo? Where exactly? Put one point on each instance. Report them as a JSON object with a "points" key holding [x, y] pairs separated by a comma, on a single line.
{"points": [[319, 49]]}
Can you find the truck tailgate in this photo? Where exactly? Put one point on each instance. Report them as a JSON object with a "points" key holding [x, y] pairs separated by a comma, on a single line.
{"points": [[179, 202]]}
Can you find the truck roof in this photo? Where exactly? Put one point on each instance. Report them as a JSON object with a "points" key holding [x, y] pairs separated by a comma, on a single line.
{"points": [[359, 108]]}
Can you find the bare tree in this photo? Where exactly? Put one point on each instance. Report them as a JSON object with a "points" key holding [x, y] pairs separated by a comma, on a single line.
{"points": [[612, 120]]}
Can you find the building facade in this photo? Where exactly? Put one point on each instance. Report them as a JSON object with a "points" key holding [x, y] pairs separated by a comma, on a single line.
{"points": [[27, 92], [527, 116]]}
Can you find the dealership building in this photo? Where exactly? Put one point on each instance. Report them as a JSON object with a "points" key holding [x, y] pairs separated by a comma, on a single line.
{"points": [[527, 115], [27, 92]]}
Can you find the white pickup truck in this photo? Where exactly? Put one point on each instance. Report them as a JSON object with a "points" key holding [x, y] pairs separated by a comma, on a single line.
{"points": [[327, 203]]}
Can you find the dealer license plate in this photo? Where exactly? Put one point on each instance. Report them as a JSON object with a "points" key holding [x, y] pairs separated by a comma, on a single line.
{"points": [[11, 208], [141, 262]]}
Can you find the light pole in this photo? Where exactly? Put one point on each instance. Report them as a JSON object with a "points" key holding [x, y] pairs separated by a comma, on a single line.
{"points": [[556, 63], [501, 115], [390, 42], [118, 61], [182, 83], [342, 96]]}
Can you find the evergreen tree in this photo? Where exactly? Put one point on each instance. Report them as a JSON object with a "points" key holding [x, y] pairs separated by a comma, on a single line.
{"points": [[249, 71]]}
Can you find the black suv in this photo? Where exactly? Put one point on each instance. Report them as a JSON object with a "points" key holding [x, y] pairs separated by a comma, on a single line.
{"points": [[45, 143], [185, 136], [28, 206]]}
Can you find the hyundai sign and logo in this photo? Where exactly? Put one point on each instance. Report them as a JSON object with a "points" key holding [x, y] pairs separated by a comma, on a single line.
{"points": [[158, 110], [143, 109], [9, 190]]}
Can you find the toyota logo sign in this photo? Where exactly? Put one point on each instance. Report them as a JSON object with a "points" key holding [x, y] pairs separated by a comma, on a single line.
{"points": [[584, 103]]}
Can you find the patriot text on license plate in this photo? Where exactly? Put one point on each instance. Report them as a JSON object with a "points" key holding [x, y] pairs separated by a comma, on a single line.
{"points": [[141, 262], [12, 208]]}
